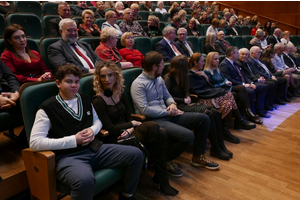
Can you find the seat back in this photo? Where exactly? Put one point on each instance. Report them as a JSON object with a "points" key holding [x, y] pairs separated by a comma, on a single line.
{"points": [[144, 14], [78, 19], [93, 8], [247, 40], [119, 21], [143, 44], [30, 22], [155, 40], [30, 7], [238, 29], [93, 41], [158, 14], [129, 75], [86, 85], [238, 41], [188, 17], [45, 20], [229, 39], [161, 25], [295, 39], [143, 23], [44, 44], [165, 70], [49, 8], [99, 22], [183, 24], [201, 41], [221, 58], [166, 17], [194, 40], [2, 25], [204, 28], [245, 30], [30, 42]]}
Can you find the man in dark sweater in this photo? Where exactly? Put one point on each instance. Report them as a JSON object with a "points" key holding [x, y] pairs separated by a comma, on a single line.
{"points": [[67, 124]]}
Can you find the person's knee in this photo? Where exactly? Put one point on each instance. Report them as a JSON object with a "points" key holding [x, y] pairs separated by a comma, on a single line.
{"points": [[83, 182]]}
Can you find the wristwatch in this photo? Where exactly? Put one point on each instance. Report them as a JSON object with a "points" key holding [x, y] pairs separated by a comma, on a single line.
{"points": [[174, 103]]}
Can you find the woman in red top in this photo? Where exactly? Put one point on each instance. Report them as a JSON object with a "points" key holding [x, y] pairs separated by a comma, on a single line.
{"points": [[26, 64], [128, 53], [257, 26]]}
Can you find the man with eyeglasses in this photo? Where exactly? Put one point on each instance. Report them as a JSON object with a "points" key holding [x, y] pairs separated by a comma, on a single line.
{"points": [[167, 47], [185, 46], [128, 25]]}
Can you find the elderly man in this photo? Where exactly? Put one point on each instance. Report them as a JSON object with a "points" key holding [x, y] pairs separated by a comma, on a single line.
{"points": [[100, 10], [221, 45], [135, 9], [167, 47], [232, 72], [289, 60], [275, 38], [230, 29], [77, 10], [69, 50], [64, 13], [275, 88], [152, 99], [185, 46], [128, 25]]}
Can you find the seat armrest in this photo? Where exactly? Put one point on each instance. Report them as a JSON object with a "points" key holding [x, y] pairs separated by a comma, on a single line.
{"points": [[40, 170], [104, 133], [194, 98], [138, 117]]}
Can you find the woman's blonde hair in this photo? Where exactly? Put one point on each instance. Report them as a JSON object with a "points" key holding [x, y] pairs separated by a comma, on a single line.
{"points": [[118, 87], [108, 14], [87, 11], [181, 12], [124, 36], [209, 59], [156, 19], [210, 38]]}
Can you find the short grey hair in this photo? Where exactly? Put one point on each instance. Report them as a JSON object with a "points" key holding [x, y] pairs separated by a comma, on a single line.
{"points": [[118, 4], [278, 46], [65, 21], [232, 18], [244, 49], [182, 29], [167, 30], [108, 32], [259, 33]]}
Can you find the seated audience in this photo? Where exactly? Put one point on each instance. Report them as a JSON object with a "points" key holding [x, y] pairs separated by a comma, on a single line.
{"points": [[7, 7], [240, 20], [214, 27], [294, 53], [182, 15], [27, 65], [222, 26], [88, 23], [263, 42], [192, 29], [160, 7], [167, 46], [109, 5], [148, 6], [221, 45], [247, 21], [203, 19], [100, 13], [176, 23], [153, 26], [230, 29], [178, 87], [69, 50], [77, 10], [128, 53], [111, 19], [9, 90], [219, 98], [175, 5], [267, 27], [112, 109], [119, 9], [64, 13], [232, 12], [185, 46], [286, 38], [135, 9], [107, 49], [159, 106], [174, 12], [227, 16], [273, 27], [209, 43], [255, 28], [128, 25], [72, 138], [275, 38], [254, 20], [195, 16], [256, 41]]}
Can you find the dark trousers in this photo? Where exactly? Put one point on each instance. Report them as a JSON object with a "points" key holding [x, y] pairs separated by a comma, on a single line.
{"points": [[259, 94], [178, 130], [76, 169]]}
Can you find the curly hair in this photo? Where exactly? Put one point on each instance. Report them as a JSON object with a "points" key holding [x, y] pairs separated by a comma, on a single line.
{"points": [[118, 87]]}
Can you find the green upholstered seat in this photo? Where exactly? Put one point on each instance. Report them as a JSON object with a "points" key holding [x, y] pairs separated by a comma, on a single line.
{"points": [[78, 19], [194, 40], [30, 7], [204, 28], [93, 41], [143, 44], [165, 70], [161, 25], [166, 17], [2, 25], [245, 30], [238, 41], [238, 29], [201, 41], [99, 22], [44, 44], [158, 14], [295, 39], [143, 22], [144, 14], [155, 40], [49, 8], [247, 40], [45, 26], [229, 39]]}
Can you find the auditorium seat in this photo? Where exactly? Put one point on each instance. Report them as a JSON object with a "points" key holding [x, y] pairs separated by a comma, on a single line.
{"points": [[295, 39], [159, 15], [201, 42], [245, 30], [144, 14], [247, 40], [2, 25], [45, 20], [143, 23], [165, 70], [143, 44], [30, 7], [161, 25], [204, 28], [49, 8], [93, 8], [77, 18], [166, 17], [229, 39], [183, 24], [93, 41], [99, 22], [188, 17], [45, 42], [155, 40], [238, 41], [194, 40], [119, 21], [238, 29]]}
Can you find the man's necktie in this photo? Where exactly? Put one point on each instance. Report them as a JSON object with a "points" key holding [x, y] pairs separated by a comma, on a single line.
{"points": [[83, 56], [225, 44], [175, 49], [237, 69]]}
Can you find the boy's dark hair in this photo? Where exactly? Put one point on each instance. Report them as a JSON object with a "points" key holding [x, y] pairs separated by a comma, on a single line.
{"points": [[62, 71], [152, 58]]}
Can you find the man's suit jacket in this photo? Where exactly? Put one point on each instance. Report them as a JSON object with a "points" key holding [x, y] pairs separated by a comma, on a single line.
{"points": [[231, 74], [77, 11], [246, 71], [53, 26], [183, 48], [230, 31], [272, 40], [164, 48], [288, 61], [257, 69], [220, 46], [60, 53], [8, 81]]}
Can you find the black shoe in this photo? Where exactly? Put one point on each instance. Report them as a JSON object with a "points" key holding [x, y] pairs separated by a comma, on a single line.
{"points": [[278, 101], [229, 137], [243, 124], [223, 147], [121, 197], [286, 99], [173, 170], [219, 154], [164, 186], [265, 115], [256, 120], [269, 107]]}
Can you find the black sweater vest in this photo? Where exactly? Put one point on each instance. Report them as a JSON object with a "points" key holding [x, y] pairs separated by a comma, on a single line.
{"points": [[64, 122]]}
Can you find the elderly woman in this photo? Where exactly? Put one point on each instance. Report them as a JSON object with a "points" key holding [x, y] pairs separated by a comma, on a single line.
{"points": [[119, 9], [111, 19], [214, 27], [87, 25], [195, 16], [203, 19], [182, 15], [27, 65], [107, 49], [160, 7], [255, 28], [153, 26], [135, 9], [286, 38], [128, 53], [192, 28], [256, 41], [209, 44]]}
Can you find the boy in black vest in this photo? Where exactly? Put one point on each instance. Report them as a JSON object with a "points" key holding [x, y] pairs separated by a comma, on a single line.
{"points": [[67, 124]]}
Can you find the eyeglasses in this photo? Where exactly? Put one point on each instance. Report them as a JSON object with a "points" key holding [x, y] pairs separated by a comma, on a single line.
{"points": [[182, 34], [128, 13]]}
